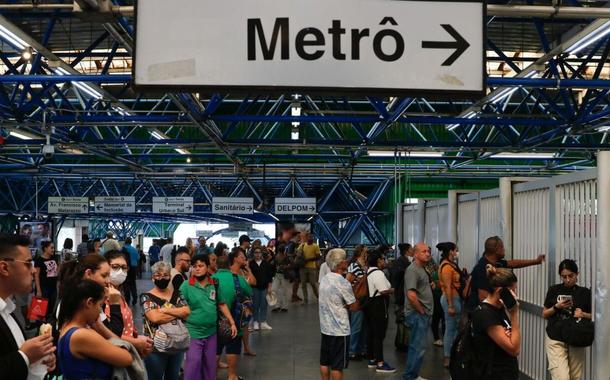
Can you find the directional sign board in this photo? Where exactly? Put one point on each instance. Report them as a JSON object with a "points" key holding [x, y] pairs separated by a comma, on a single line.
{"points": [[68, 205], [380, 46], [173, 205], [242, 206], [295, 206], [115, 205]]}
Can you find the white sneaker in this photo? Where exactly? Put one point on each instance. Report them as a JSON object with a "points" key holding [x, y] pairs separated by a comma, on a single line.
{"points": [[421, 378], [255, 326], [438, 343], [265, 326]]}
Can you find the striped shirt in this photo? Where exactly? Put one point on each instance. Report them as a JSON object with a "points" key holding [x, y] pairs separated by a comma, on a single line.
{"points": [[356, 269]]}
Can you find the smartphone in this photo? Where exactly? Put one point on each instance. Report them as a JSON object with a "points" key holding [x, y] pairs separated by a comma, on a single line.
{"points": [[564, 297], [507, 297]]}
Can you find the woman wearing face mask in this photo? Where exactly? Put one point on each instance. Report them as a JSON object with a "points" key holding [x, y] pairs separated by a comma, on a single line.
{"points": [[201, 298], [118, 275], [161, 305], [563, 302], [451, 302], [82, 352], [96, 269]]}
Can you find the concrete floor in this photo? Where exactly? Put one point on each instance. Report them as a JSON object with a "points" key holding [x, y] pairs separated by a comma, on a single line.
{"points": [[291, 351]]}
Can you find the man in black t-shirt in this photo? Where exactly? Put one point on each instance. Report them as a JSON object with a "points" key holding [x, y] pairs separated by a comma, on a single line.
{"points": [[182, 262], [494, 255]]}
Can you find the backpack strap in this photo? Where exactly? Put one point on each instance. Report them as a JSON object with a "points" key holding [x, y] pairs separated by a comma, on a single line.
{"points": [[367, 282]]}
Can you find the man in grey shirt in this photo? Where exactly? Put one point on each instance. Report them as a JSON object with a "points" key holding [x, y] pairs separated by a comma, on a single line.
{"points": [[418, 309]]}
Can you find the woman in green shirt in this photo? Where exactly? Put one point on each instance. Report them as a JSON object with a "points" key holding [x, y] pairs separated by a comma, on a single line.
{"points": [[200, 295]]}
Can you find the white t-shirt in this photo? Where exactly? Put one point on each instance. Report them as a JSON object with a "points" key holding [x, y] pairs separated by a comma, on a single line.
{"points": [[166, 253], [324, 270], [335, 293], [377, 281]]}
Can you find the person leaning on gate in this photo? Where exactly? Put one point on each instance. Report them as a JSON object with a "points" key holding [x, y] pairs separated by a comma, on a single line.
{"points": [[564, 304], [494, 255]]}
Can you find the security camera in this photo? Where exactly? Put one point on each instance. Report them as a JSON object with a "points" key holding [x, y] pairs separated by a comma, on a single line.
{"points": [[48, 151]]}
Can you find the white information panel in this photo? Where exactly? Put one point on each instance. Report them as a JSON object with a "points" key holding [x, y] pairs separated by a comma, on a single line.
{"points": [[172, 205], [344, 45], [115, 205], [68, 205], [223, 205], [295, 206]]}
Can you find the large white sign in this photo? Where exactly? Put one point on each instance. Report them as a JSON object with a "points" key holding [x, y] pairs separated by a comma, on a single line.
{"points": [[115, 205], [172, 205], [346, 45], [295, 206], [223, 205], [68, 205]]}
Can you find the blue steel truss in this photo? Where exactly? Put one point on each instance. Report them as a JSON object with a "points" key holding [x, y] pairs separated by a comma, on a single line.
{"points": [[110, 140]]}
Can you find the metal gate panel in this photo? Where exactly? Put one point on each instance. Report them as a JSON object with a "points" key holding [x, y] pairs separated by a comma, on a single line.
{"points": [[530, 238], [431, 228], [577, 235], [490, 221], [408, 222], [443, 215], [467, 233], [532, 358]]}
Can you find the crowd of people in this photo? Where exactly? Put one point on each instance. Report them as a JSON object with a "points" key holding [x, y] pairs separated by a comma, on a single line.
{"points": [[206, 300]]}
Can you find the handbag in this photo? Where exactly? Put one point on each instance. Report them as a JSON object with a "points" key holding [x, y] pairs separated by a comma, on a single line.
{"points": [[224, 325], [170, 337], [38, 308], [578, 332]]}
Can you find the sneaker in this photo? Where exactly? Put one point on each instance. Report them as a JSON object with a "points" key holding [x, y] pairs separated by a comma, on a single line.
{"points": [[421, 378], [283, 310], [355, 358], [255, 326], [385, 368], [438, 343], [372, 364], [265, 326], [277, 309]]}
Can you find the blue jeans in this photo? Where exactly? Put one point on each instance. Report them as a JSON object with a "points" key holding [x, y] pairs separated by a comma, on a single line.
{"points": [[451, 323], [259, 300], [419, 326], [161, 366], [356, 339]]}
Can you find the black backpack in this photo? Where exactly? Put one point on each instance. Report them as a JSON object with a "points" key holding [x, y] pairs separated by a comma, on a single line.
{"points": [[465, 363]]}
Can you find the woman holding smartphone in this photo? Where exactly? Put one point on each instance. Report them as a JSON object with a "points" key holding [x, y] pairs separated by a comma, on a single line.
{"points": [[565, 301], [497, 335]]}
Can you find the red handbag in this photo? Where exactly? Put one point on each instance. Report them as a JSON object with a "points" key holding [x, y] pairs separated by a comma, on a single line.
{"points": [[38, 309]]}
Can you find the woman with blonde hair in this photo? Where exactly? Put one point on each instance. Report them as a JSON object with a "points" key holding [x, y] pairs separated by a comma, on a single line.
{"points": [[496, 330]]}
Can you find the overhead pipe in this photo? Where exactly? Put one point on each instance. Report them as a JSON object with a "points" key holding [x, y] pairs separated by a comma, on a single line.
{"points": [[491, 81], [500, 10]]}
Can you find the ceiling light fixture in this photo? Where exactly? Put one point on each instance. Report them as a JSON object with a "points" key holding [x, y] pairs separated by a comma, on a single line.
{"points": [[523, 155], [598, 33], [12, 39]]}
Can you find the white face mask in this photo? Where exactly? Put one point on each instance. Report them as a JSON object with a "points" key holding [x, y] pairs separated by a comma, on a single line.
{"points": [[117, 277]]}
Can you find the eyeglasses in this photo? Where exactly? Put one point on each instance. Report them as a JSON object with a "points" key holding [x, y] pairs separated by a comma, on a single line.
{"points": [[185, 260], [28, 263], [117, 267]]}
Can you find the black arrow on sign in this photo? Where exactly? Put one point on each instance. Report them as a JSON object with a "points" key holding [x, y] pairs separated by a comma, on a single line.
{"points": [[460, 45]]}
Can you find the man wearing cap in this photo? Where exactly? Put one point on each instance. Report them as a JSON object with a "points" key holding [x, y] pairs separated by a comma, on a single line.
{"points": [[244, 243]]}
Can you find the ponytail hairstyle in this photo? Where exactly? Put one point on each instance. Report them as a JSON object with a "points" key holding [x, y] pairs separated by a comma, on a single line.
{"points": [[358, 251], [500, 277], [445, 248], [73, 300], [72, 272]]}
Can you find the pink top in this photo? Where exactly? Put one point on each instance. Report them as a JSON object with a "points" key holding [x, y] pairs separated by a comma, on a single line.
{"points": [[128, 327]]}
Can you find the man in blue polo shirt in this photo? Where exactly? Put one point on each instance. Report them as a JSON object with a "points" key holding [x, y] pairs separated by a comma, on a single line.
{"points": [[494, 255]]}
